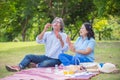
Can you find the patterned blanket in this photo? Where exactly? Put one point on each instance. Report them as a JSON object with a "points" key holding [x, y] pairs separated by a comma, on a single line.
{"points": [[46, 74]]}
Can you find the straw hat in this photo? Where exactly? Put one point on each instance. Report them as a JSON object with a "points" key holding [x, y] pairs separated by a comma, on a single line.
{"points": [[108, 68]]}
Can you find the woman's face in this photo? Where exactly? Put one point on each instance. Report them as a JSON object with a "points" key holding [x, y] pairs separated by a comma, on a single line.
{"points": [[83, 32], [56, 25]]}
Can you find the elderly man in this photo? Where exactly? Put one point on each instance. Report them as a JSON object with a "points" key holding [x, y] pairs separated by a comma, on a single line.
{"points": [[55, 43]]}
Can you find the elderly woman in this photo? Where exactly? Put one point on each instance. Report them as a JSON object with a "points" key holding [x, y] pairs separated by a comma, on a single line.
{"points": [[55, 43], [83, 47]]}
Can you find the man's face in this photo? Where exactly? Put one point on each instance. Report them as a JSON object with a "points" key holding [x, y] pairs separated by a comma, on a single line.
{"points": [[56, 25]]}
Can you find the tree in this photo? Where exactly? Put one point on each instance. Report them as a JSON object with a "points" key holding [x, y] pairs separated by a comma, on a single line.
{"points": [[20, 14], [27, 18], [107, 7], [100, 26]]}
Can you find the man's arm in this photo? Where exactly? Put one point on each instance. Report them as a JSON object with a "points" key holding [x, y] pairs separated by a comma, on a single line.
{"points": [[40, 36]]}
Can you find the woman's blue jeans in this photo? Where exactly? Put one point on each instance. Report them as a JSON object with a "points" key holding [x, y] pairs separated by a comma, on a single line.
{"points": [[72, 60], [40, 60]]}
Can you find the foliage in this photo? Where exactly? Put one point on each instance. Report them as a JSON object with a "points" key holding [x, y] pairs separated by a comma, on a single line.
{"points": [[114, 24], [25, 14], [107, 7], [107, 29], [25, 19], [100, 26]]}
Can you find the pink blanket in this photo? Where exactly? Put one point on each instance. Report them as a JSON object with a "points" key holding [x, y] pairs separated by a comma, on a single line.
{"points": [[43, 74]]}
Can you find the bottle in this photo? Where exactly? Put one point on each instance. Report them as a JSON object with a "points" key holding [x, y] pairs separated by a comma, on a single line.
{"points": [[56, 68]]}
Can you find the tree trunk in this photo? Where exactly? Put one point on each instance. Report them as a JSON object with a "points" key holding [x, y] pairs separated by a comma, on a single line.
{"points": [[73, 37], [99, 36], [23, 35], [24, 27], [75, 34]]}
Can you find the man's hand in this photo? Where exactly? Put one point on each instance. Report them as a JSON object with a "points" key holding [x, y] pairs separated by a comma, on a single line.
{"points": [[59, 37], [48, 25], [40, 36]]}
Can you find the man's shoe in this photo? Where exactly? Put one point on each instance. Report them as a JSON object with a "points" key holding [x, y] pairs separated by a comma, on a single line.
{"points": [[13, 68], [32, 65]]}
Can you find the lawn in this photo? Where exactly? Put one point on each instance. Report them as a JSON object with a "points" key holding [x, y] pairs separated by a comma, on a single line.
{"points": [[11, 53]]}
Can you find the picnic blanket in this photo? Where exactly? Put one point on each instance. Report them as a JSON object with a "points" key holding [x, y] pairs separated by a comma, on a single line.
{"points": [[45, 74]]}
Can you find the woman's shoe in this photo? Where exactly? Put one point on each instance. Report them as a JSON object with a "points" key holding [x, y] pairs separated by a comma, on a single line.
{"points": [[13, 68]]}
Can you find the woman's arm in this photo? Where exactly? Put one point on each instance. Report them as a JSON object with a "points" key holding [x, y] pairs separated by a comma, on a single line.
{"points": [[89, 48], [87, 51]]}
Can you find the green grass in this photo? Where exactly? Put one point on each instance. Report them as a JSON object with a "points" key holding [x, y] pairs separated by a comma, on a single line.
{"points": [[12, 53], [108, 52]]}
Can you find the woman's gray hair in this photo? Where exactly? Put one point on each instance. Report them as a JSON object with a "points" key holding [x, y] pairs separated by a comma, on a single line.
{"points": [[61, 22]]}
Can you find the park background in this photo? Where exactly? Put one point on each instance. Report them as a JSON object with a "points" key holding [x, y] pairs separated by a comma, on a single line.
{"points": [[22, 20]]}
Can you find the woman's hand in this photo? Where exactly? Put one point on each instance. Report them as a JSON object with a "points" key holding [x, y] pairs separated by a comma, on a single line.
{"points": [[68, 40], [71, 46]]}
